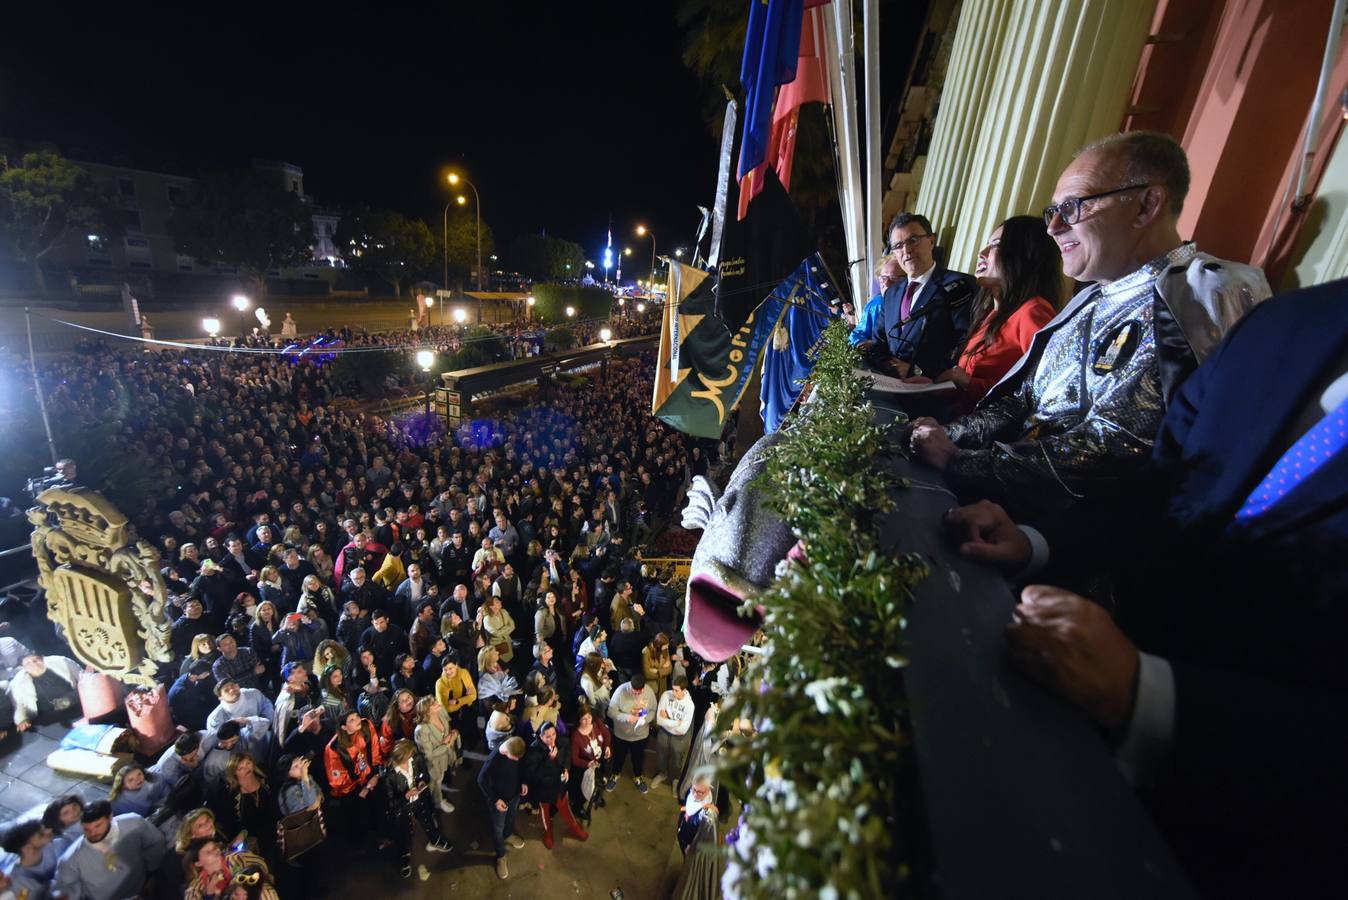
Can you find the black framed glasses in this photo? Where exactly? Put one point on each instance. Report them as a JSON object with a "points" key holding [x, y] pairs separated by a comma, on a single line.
{"points": [[910, 243], [1070, 209]]}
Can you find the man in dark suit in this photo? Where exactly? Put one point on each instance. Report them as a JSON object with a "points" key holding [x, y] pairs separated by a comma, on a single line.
{"points": [[1223, 675], [932, 300]]}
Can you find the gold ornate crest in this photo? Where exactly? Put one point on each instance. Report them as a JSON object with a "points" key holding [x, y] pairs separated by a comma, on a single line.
{"points": [[105, 594]]}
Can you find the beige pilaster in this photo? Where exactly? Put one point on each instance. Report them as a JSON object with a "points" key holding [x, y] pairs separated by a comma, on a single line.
{"points": [[1030, 81]]}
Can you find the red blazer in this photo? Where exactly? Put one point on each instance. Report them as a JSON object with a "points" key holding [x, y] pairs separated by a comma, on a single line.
{"points": [[987, 365]]}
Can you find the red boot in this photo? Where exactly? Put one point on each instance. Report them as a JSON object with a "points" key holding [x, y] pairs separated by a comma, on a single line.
{"points": [[564, 810], [547, 824]]}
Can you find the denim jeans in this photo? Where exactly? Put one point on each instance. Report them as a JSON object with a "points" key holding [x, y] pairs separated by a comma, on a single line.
{"points": [[503, 825]]}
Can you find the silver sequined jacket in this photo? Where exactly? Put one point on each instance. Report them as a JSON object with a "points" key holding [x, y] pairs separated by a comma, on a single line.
{"points": [[1080, 411]]}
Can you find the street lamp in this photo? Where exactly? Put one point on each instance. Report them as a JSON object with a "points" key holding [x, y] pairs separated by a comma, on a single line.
{"points": [[455, 178], [605, 334], [570, 312], [643, 231], [211, 326], [530, 301], [460, 315], [678, 253], [641, 307], [241, 304], [426, 359]]}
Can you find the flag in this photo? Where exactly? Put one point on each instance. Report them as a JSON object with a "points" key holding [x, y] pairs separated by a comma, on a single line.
{"points": [[683, 280], [771, 48], [809, 86], [704, 367], [786, 362], [759, 252]]}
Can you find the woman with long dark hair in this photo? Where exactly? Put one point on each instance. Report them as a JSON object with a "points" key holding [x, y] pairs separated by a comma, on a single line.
{"points": [[1019, 275]]}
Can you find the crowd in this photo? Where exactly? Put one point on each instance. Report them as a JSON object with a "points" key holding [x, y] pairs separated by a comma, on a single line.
{"points": [[356, 617], [1155, 462], [521, 338]]}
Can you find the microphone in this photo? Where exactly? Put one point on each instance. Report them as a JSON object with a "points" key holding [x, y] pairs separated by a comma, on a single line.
{"points": [[958, 295], [962, 295]]}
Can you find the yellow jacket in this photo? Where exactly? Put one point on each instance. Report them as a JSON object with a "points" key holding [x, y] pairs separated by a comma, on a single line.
{"points": [[457, 692], [392, 573]]}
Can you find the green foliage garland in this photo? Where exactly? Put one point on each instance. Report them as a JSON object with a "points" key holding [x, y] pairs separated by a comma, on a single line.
{"points": [[820, 774]]}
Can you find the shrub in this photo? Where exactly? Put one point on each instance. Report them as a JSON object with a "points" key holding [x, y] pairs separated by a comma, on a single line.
{"points": [[551, 301]]}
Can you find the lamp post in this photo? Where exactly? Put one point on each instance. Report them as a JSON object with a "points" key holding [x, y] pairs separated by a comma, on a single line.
{"points": [[241, 304], [211, 326], [455, 178], [426, 359], [643, 231], [445, 278], [460, 315], [530, 302]]}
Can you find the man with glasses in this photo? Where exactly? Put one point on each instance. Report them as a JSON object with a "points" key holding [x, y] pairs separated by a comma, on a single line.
{"points": [[1079, 412], [923, 313]]}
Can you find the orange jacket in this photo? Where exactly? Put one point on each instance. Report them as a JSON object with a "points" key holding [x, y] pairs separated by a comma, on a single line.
{"points": [[349, 768]]}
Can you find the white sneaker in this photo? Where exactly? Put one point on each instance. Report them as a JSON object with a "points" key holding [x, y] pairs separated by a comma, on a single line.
{"points": [[440, 847], [657, 780], [446, 806], [515, 841]]}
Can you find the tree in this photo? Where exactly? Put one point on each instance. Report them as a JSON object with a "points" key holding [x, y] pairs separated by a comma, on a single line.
{"points": [[542, 257], [551, 301], [247, 219], [463, 244], [43, 200], [386, 244]]}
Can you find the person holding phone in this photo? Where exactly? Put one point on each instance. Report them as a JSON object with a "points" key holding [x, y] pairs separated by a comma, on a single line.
{"points": [[407, 789]]}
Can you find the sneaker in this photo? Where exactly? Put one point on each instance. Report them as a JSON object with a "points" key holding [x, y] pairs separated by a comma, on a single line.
{"points": [[423, 873], [515, 841], [446, 806], [406, 870], [501, 871], [440, 846], [642, 785], [656, 781], [612, 783]]}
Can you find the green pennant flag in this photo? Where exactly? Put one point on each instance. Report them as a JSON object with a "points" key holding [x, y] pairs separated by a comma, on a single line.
{"points": [[703, 368]]}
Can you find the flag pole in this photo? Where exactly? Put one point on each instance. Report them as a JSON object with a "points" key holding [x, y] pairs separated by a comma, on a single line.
{"points": [[842, 80], [37, 385], [874, 199]]}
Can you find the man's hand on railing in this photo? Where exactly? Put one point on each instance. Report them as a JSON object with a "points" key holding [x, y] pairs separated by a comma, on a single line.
{"points": [[1072, 646], [987, 535], [928, 442]]}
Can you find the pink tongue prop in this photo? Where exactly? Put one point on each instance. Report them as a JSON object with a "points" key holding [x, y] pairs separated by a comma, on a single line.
{"points": [[716, 631]]}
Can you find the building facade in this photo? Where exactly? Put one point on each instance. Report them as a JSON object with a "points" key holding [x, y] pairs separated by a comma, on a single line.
{"points": [[1021, 84], [145, 202]]}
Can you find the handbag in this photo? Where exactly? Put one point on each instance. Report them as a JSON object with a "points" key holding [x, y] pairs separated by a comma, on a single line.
{"points": [[502, 648], [300, 832]]}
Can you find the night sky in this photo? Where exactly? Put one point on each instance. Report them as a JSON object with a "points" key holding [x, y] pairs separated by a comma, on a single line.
{"points": [[563, 114]]}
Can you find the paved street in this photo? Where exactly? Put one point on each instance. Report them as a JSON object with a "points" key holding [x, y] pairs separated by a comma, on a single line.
{"points": [[631, 843]]}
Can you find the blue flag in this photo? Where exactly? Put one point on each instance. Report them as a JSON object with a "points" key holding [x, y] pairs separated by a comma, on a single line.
{"points": [[786, 361], [771, 51]]}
